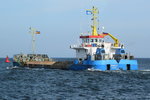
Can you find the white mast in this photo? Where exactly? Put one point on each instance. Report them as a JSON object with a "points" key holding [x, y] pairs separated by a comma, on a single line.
{"points": [[33, 32]]}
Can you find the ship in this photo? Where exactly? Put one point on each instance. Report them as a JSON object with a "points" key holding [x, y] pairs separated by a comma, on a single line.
{"points": [[32, 60], [95, 53], [36, 60]]}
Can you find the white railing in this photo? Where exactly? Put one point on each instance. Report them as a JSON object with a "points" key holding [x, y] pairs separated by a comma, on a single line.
{"points": [[75, 46]]}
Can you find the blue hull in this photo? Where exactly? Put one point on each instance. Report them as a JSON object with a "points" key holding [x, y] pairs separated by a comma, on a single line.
{"points": [[104, 65]]}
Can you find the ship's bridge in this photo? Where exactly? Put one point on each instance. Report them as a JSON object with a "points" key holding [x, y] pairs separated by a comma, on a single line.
{"points": [[91, 40]]}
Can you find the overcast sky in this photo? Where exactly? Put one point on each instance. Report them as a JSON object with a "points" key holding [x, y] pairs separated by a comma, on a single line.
{"points": [[62, 21]]}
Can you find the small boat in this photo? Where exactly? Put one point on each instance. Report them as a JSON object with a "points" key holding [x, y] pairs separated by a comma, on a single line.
{"points": [[7, 59]]}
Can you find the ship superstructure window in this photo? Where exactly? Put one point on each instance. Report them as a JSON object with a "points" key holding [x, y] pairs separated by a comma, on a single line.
{"points": [[88, 41], [83, 40], [96, 40], [92, 40], [100, 40]]}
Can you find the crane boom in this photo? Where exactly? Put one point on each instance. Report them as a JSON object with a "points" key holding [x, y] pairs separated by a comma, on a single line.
{"points": [[116, 44]]}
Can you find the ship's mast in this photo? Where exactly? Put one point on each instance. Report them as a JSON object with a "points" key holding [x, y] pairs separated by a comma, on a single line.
{"points": [[95, 13], [33, 32]]}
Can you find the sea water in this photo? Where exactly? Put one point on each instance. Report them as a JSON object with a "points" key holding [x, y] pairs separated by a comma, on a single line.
{"points": [[54, 84]]}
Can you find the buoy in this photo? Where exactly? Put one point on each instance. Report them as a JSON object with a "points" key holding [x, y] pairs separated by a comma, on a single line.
{"points": [[7, 60]]}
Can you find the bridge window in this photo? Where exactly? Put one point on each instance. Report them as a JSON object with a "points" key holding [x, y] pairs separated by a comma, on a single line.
{"points": [[83, 40], [100, 40], [95, 40], [92, 40], [87, 40]]}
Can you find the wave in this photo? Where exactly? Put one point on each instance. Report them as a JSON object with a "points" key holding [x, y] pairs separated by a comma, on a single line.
{"points": [[12, 67]]}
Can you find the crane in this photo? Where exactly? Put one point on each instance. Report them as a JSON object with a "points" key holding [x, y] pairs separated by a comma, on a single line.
{"points": [[116, 44]]}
